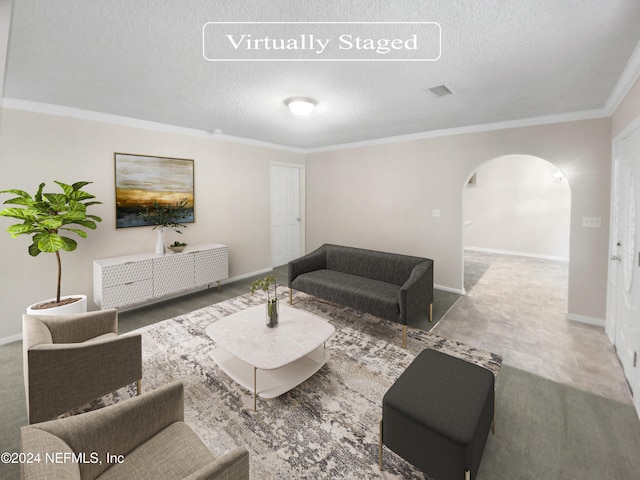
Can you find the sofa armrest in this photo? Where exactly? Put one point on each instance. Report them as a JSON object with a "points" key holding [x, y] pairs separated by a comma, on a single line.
{"points": [[119, 428], [417, 293], [78, 327], [64, 376], [316, 260], [232, 466]]}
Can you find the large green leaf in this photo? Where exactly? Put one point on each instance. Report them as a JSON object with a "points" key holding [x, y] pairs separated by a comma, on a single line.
{"points": [[73, 216], [19, 201], [57, 200], [81, 196], [20, 193], [69, 244], [87, 224], [20, 229], [79, 185], [82, 233], [52, 223], [50, 242], [38, 197], [21, 213], [34, 251], [68, 189]]}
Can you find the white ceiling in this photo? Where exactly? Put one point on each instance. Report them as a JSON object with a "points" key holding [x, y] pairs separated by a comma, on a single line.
{"points": [[505, 60]]}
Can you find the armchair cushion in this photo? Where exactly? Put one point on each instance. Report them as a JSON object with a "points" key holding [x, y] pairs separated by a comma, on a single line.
{"points": [[147, 431]]}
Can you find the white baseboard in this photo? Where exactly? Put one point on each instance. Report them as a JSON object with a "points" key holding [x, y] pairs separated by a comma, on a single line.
{"points": [[17, 337], [11, 338], [246, 275], [574, 317], [518, 254], [449, 289]]}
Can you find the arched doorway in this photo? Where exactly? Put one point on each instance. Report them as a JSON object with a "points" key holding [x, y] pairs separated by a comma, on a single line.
{"points": [[517, 205]]}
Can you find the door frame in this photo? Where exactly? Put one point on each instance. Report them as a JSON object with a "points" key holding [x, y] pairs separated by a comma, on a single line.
{"points": [[612, 316], [301, 207]]}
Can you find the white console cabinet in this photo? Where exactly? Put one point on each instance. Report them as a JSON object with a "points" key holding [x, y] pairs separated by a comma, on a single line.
{"points": [[134, 279]]}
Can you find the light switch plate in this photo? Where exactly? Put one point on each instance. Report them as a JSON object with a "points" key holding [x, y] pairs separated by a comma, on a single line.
{"points": [[592, 222]]}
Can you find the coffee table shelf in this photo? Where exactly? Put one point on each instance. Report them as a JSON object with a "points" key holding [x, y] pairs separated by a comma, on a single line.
{"points": [[271, 383], [270, 361]]}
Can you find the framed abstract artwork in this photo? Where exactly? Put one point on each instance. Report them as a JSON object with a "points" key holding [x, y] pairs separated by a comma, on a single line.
{"points": [[142, 180]]}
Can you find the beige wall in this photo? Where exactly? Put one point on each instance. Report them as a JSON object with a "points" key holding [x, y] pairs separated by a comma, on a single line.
{"points": [[232, 188], [382, 197], [627, 111]]}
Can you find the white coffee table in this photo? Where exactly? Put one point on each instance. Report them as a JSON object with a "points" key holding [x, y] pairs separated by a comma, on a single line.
{"points": [[286, 355]]}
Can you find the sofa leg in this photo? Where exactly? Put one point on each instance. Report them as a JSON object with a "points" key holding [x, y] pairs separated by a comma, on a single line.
{"points": [[430, 312], [138, 387], [290, 297], [404, 336], [380, 447]]}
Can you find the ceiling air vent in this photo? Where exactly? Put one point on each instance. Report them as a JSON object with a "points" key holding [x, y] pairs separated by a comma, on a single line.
{"points": [[440, 91]]}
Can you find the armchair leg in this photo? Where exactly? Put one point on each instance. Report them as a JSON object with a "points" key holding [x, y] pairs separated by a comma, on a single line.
{"points": [[404, 336], [138, 387], [290, 297], [430, 312]]}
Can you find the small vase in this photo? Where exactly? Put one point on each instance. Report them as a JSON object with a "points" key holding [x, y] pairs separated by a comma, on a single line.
{"points": [[272, 312], [160, 242]]}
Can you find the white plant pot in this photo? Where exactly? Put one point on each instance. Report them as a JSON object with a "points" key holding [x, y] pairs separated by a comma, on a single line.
{"points": [[76, 307]]}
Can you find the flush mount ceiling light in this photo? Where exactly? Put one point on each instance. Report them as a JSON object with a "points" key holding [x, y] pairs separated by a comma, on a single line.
{"points": [[301, 106]]}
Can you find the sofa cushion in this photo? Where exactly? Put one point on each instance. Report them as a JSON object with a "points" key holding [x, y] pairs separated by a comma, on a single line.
{"points": [[174, 452], [387, 267], [361, 293]]}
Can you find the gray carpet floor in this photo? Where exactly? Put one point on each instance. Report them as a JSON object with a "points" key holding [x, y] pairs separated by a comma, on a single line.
{"points": [[545, 429]]}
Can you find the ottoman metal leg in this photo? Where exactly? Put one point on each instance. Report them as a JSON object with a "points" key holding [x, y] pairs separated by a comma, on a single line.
{"points": [[380, 447], [467, 475]]}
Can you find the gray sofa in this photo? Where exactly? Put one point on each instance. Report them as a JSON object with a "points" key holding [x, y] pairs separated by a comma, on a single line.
{"points": [[144, 437], [388, 285]]}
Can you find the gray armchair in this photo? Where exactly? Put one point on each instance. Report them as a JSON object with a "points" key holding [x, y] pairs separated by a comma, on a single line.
{"points": [[70, 360], [139, 438]]}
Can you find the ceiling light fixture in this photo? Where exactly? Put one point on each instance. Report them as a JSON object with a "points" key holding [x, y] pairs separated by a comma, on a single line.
{"points": [[301, 106]]}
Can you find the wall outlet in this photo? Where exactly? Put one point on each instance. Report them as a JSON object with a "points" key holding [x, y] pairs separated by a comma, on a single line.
{"points": [[435, 212], [591, 222]]}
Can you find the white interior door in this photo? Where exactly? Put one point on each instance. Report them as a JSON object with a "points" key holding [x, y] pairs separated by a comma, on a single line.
{"points": [[285, 214], [624, 275]]}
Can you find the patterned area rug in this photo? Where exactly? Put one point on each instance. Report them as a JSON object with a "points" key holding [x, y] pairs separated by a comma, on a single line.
{"points": [[325, 428]]}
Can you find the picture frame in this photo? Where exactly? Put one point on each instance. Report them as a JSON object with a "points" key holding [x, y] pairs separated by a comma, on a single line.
{"points": [[142, 180]]}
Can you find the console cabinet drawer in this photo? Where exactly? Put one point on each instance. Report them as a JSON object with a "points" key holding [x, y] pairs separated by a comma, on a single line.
{"points": [[127, 294], [126, 281]]}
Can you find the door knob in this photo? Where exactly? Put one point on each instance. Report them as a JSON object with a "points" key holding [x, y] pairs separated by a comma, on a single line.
{"points": [[615, 257]]}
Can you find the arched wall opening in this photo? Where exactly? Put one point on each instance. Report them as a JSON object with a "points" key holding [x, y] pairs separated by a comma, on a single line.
{"points": [[518, 205]]}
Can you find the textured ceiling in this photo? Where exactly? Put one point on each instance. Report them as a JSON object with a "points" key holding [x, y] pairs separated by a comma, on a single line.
{"points": [[504, 59]]}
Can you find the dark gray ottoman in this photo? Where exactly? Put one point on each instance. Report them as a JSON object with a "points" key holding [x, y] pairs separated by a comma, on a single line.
{"points": [[437, 415]]}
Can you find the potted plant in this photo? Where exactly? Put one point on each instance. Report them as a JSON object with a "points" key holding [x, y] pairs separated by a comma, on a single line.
{"points": [[165, 216], [272, 303], [46, 216]]}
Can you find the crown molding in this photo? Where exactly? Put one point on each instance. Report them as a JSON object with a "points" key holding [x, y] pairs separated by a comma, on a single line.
{"points": [[69, 112], [629, 76], [485, 127]]}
